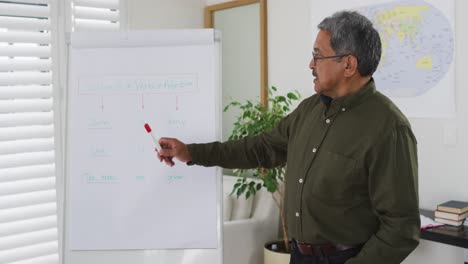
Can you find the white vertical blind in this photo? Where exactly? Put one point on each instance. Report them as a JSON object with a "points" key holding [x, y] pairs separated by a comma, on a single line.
{"points": [[95, 15], [28, 204]]}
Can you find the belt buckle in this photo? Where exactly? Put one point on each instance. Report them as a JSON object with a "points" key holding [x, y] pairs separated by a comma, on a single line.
{"points": [[317, 250], [307, 249], [340, 247]]}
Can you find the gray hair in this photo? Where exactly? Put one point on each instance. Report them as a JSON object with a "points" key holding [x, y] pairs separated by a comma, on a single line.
{"points": [[353, 33]]}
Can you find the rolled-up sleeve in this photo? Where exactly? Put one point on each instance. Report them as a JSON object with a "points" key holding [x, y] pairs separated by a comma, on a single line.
{"points": [[393, 191]]}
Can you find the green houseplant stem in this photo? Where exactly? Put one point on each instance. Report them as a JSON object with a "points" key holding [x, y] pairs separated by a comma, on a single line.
{"points": [[253, 120]]}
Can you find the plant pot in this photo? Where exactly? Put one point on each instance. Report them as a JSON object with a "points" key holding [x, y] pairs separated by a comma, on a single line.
{"points": [[274, 253]]}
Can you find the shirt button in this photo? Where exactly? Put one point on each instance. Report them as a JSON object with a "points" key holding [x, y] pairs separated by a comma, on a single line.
{"points": [[314, 150], [343, 109], [327, 121], [301, 180], [297, 214]]}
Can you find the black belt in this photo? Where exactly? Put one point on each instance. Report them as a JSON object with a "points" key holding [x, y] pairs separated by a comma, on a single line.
{"points": [[325, 249]]}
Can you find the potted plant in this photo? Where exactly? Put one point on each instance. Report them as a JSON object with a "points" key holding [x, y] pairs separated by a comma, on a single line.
{"points": [[255, 119]]}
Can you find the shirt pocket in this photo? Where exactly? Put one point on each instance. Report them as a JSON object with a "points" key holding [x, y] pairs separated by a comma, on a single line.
{"points": [[334, 177]]}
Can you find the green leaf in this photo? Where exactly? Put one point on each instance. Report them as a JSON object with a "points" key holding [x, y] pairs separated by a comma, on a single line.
{"points": [[247, 195], [243, 188], [253, 119], [292, 96]]}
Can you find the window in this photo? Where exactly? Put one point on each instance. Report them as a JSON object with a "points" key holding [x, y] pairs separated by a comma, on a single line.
{"points": [[29, 55], [28, 213], [95, 15]]}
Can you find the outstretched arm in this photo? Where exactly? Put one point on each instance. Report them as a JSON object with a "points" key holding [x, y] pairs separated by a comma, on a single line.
{"points": [[265, 150]]}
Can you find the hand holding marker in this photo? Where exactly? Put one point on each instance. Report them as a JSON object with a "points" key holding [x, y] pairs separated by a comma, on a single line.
{"points": [[158, 147], [148, 129]]}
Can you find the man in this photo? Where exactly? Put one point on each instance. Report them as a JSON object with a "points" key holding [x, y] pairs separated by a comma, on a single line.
{"points": [[352, 187]]}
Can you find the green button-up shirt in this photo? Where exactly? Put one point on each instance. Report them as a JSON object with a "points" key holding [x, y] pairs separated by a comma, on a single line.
{"points": [[352, 173]]}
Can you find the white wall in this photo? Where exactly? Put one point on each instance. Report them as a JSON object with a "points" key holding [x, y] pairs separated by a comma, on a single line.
{"points": [[161, 14], [443, 167], [290, 44]]}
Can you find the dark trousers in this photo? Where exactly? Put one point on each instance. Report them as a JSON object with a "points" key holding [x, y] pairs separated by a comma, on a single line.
{"points": [[339, 258]]}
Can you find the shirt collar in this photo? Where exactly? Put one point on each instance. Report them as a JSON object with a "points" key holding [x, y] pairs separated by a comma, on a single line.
{"points": [[354, 99], [325, 99]]}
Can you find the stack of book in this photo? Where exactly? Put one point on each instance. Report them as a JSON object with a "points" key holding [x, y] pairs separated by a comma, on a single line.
{"points": [[452, 213]]}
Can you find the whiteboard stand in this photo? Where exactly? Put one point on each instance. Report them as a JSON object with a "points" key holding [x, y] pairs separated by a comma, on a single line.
{"points": [[121, 204]]}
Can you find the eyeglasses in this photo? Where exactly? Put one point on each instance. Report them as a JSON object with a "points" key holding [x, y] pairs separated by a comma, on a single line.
{"points": [[317, 57]]}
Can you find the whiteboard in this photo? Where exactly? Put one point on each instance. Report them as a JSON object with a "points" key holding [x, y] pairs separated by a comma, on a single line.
{"points": [[122, 204]]}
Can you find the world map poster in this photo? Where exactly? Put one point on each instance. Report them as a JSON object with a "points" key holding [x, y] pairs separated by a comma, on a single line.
{"points": [[417, 68]]}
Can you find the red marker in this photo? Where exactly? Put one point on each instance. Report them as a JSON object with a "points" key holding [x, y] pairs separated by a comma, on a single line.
{"points": [[148, 129]]}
